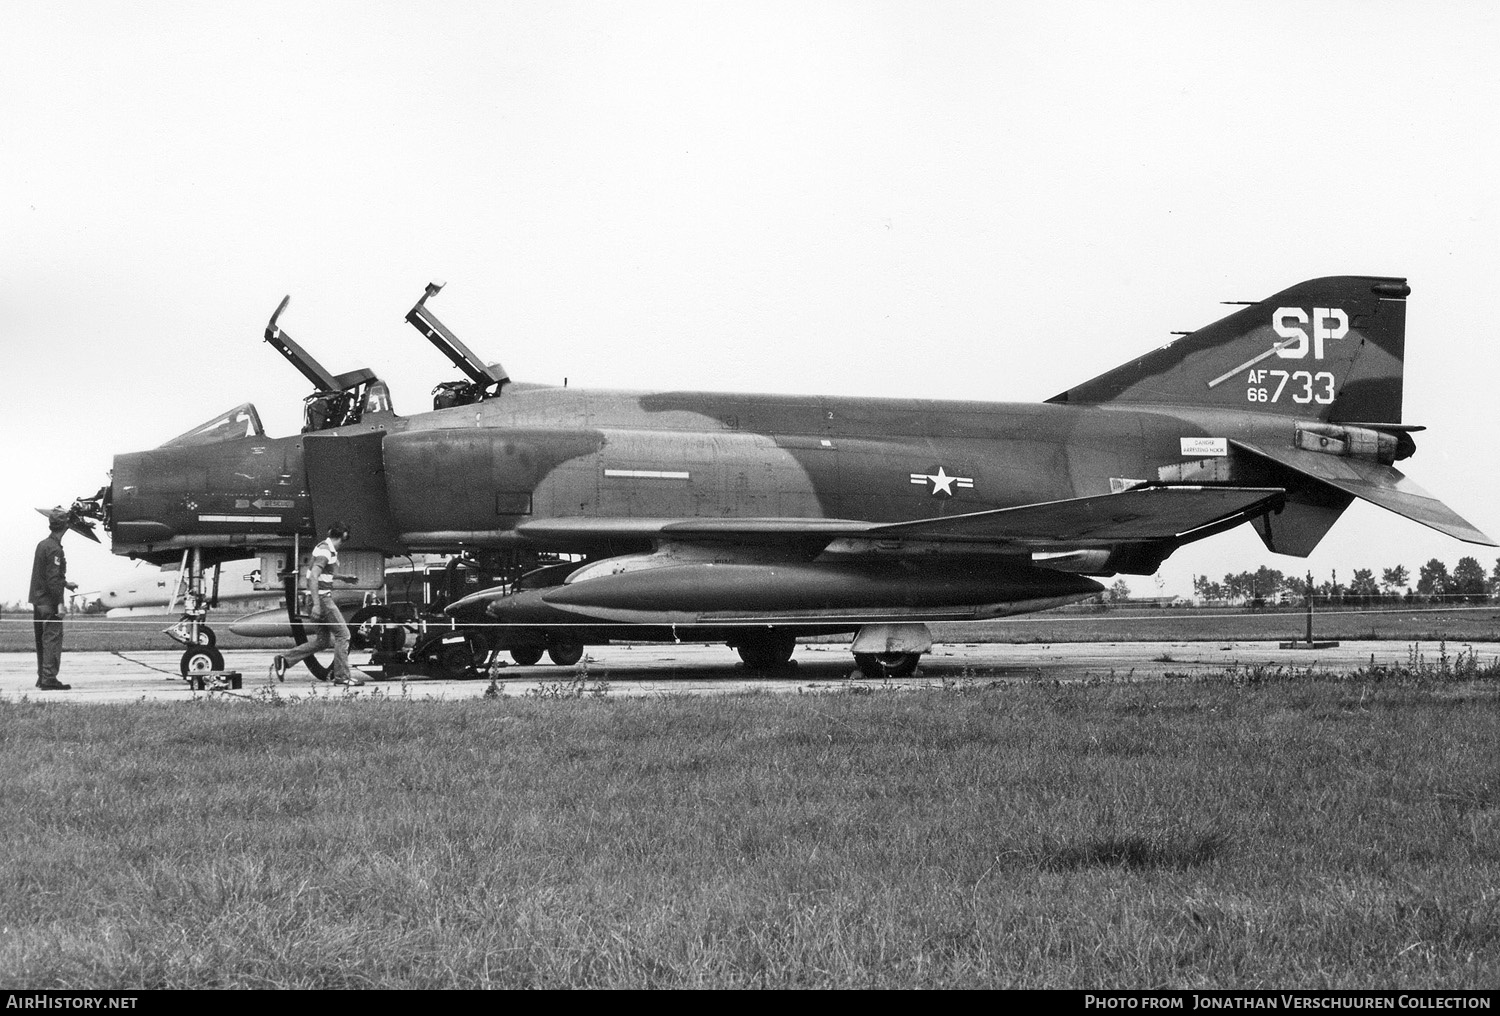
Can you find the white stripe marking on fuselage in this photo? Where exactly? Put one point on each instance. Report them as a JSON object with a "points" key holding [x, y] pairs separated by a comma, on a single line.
{"points": [[648, 474]]}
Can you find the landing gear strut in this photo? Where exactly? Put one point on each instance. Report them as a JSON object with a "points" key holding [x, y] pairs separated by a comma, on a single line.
{"points": [[192, 629]]}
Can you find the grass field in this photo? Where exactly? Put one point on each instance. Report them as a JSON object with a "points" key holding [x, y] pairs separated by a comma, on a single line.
{"points": [[1122, 624], [1271, 832]]}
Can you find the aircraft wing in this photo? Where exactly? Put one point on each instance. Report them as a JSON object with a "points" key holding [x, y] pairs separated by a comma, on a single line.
{"points": [[1141, 515], [1379, 484], [1144, 514]]}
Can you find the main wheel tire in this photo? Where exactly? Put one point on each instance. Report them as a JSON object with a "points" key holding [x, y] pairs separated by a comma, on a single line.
{"points": [[526, 656], [887, 664], [201, 660], [769, 652], [565, 654]]}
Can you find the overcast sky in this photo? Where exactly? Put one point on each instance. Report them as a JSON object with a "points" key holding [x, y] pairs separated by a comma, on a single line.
{"points": [[958, 200]]}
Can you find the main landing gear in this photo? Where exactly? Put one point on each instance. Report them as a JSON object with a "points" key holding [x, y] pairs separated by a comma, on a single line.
{"points": [[887, 664], [890, 650], [766, 650]]}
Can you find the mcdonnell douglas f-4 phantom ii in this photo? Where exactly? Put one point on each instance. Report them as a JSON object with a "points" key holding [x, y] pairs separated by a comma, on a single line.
{"points": [[755, 519]]}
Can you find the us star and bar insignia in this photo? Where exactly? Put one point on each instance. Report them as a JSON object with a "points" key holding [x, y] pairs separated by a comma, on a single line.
{"points": [[941, 482]]}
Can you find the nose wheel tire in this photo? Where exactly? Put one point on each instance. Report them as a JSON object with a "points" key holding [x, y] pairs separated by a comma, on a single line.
{"points": [[201, 660]]}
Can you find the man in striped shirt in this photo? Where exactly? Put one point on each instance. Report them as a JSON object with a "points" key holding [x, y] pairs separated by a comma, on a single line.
{"points": [[325, 614]]}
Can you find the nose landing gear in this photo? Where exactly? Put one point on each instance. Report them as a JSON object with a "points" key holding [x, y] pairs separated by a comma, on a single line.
{"points": [[192, 629]]}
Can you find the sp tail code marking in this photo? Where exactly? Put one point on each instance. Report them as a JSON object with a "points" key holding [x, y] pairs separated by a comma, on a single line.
{"points": [[1295, 343]]}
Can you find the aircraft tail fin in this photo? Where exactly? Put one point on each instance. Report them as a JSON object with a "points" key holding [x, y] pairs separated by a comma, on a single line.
{"points": [[1327, 349]]}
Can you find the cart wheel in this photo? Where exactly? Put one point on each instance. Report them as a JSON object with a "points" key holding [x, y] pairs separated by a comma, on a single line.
{"points": [[457, 660], [565, 654]]}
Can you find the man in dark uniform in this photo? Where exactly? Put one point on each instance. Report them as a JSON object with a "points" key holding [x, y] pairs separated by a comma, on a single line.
{"points": [[49, 582]]}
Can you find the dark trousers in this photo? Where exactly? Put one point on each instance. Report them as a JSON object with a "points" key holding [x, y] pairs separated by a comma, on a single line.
{"points": [[47, 624]]}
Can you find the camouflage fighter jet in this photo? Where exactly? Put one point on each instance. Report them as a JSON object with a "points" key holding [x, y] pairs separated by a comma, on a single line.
{"points": [[757, 519]]}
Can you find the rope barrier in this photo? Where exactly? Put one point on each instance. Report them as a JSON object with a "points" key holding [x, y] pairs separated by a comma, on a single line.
{"points": [[142, 663], [1107, 615]]}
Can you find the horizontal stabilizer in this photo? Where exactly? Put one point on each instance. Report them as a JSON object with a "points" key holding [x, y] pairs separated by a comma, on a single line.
{"points": [[1379, 484], [1145, 514]]}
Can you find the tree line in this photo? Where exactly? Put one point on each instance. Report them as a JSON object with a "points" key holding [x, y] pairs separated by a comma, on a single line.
{"points": [[1466, 583]]}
